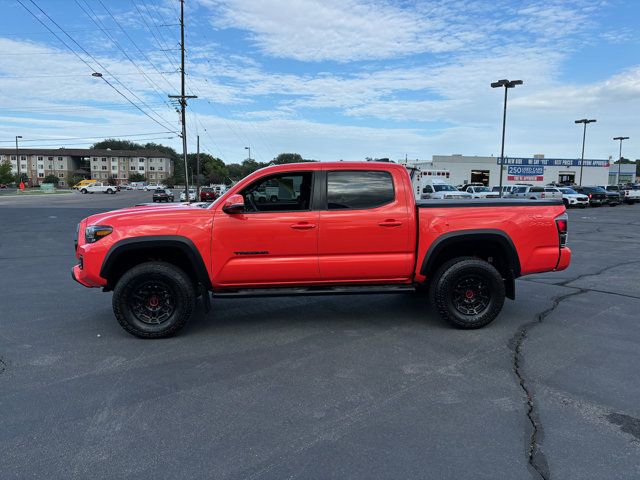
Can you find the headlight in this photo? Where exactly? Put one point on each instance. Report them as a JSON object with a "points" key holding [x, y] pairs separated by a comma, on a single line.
{"points": [[95, 232]]}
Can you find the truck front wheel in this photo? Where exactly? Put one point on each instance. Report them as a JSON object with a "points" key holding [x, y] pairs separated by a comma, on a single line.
{"points": [[154, 300], [468, 292]]}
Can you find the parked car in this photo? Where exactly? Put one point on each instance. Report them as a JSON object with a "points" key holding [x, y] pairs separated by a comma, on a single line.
{"points": [[365, 233], [597, 195], [532, 193], [437, 189], [571, 198], [3, 185], [552, 192], [613, 194], [192, 195], [153, 186], [629, 193], [208, 194], [98, 187], [162, 195], [463, 188], [481, 192]]}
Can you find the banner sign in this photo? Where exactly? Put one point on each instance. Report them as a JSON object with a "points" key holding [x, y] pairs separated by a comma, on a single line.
{"points": [[525, 170], [553, 162]]}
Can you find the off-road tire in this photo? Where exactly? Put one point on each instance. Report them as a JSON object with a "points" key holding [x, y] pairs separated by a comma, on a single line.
{"points": [[175, 280], [449, 277]]}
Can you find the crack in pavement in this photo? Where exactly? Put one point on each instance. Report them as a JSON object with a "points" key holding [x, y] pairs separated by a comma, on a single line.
{"points": [[535, 457]]}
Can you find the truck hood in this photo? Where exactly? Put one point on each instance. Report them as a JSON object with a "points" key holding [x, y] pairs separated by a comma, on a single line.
{"points": [[143, 213]]}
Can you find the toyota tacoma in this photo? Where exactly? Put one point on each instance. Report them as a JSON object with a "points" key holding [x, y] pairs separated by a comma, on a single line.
{"points": [[334, 228]]}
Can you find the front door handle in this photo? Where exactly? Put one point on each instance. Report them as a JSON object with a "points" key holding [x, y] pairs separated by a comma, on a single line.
{"points": [[390, 223], [303, 226]]}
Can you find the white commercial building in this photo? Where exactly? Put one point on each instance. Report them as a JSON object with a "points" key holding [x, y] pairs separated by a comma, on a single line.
{"points": [[536, 170]]}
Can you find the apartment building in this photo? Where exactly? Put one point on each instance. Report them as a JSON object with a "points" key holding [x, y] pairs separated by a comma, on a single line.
{"points": [[99, 164], [120, 164]]}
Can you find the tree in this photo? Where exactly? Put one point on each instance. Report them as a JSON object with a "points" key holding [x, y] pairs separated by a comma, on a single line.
{"points": [[288, 158], [23, 177], [170, 181], [115, 144], [51, 179], [137, 177], [5, 172]]}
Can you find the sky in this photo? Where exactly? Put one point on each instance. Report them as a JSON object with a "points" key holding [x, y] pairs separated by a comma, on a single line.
{"points": [[329, 79]]}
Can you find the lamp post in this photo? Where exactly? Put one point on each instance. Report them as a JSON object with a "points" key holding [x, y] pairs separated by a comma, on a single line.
{"points": [[620, 154], [18, 157], [248, 148], [584, 134], [507, 84]]}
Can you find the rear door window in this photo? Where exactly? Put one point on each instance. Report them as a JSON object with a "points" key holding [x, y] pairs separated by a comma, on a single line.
{"points": [[359, 189]]}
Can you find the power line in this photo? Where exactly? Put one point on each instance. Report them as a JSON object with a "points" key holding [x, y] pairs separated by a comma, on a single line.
{"points": [[70, 75], [84, 138], [162, 47], [134, 43], [105, 52], [87, 63], [53, 145], [101, 26], [76, 30]]}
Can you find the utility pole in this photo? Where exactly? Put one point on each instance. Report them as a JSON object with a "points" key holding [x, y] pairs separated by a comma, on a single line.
{"points": [[18, 157], [183, 104], [198, 168]]}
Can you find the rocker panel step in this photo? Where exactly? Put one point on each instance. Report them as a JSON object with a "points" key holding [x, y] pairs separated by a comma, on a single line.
{"points": [[315, 290]]}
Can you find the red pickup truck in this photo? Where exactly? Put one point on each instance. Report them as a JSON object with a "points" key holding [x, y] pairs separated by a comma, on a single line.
{"points": [[339, 227]]}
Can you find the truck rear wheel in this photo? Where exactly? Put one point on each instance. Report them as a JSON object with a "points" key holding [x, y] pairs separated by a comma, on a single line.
{"points": [[468, 292], [154, 300]]}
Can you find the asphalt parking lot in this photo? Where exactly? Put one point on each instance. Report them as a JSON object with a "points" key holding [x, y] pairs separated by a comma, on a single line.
{"points": [[357, 387]]}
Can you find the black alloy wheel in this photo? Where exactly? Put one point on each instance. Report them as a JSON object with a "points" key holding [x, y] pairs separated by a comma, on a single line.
{"points": [[467, 292], [152, 302], [471, 296], [154, 299]]}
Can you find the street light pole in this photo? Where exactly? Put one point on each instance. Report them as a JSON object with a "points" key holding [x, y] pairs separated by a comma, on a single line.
{"points": [[620, 154], [507, 85], [197, 168], [248, 148], [584, 135], [18, 157]]}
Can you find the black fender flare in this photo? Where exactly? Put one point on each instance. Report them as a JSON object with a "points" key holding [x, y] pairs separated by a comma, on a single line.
{"points": [[183, 244], [481, 235]]}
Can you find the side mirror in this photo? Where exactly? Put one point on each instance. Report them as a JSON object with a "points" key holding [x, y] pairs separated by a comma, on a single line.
{"points": [[234, 204]]}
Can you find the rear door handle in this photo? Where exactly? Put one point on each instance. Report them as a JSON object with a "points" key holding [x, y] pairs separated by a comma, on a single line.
{"points": [[390, 223], [303, 226]]}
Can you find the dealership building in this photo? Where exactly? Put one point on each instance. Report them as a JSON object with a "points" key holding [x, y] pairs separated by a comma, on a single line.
{"points": [[536, 170]]}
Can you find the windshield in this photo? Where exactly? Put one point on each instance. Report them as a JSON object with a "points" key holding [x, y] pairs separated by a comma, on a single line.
{"points": [[444, 188], [481, 189], [568, 191]]}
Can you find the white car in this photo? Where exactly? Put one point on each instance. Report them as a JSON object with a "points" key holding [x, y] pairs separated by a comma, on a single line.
{"points": [[153, 186], [571, 198], [481, 192], [436, 189], [98, 187], [192, 195]]}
